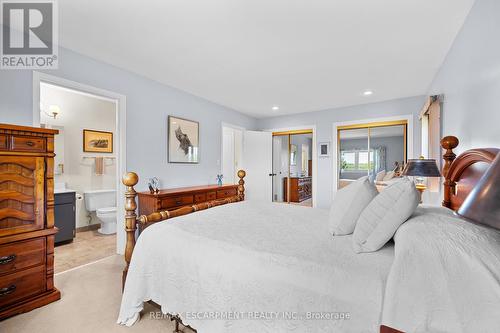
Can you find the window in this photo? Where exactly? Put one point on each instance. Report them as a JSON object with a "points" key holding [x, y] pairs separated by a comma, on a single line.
{"points": [[348, 160], [357, 160]]}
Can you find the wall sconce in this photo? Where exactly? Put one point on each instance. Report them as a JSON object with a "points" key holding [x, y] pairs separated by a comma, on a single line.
{"points": [[54, 110]]}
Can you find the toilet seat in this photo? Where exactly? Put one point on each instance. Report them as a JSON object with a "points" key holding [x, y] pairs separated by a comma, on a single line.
{"points": [[106, 210]]}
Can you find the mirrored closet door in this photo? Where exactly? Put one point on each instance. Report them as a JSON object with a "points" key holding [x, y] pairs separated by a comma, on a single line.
{"points": [[376, 150], [353, 146], [292, 167]]}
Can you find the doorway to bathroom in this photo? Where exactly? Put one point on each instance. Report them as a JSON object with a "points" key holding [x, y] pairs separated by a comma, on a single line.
{"points": [[86, 169]]}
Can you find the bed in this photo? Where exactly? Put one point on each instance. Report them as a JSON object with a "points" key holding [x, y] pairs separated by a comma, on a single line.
{"points": [[238, 266]]}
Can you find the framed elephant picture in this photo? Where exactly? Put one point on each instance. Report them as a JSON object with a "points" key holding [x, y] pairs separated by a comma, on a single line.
{"points": [[183, 140]]}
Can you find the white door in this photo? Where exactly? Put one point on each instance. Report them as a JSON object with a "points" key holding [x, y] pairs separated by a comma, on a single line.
{"points": [[257, 162], [228, 158], [232, 147]]}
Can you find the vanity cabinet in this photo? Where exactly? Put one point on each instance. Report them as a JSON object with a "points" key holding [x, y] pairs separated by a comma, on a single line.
{"points": [[65, 216]]}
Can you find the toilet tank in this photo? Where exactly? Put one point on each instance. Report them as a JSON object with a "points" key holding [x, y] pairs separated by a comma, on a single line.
{"points": [[95, 199]]}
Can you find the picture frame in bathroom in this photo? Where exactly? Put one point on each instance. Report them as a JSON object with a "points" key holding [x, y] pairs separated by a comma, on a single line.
{"points": [[97, 141]]}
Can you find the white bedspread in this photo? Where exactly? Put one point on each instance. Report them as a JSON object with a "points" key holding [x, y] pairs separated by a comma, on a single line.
{"points": [[445, 276], [258, 260]]}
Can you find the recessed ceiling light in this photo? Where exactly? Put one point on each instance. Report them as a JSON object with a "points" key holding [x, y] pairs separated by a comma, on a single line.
{"points": [[275, 108], [368, 93]]}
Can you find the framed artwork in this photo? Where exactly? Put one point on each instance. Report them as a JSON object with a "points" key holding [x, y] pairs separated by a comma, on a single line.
{"points": [[183, 140], [324, 149], [97, 141]]}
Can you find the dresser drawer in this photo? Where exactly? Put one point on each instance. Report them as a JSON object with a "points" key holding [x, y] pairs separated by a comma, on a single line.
{"points": [[26, 143], [221, 194], [200, 197], [3, 142], [21, 285], [176, 201], [20, 255], [211, 196]]}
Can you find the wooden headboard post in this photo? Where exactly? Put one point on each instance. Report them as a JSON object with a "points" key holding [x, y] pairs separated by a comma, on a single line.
{"points": [[449, 143], [241, 184], [130, 179]]}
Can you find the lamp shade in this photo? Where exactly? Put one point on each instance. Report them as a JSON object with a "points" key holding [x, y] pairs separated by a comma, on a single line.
{"points": [[482, 205], [421, 168]]}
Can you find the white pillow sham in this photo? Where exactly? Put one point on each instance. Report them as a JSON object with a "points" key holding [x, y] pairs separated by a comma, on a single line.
{"points": [[348, 204], [382, 217]]}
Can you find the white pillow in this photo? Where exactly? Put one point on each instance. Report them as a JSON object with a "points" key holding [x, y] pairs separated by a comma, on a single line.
{"points": [[348, 204], [383, 216], [380, 176], [389, 176]]}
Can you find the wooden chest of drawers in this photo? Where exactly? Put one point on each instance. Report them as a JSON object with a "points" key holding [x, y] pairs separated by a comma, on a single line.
{"points": [[300, 189], [179, 197], [26, 219]]}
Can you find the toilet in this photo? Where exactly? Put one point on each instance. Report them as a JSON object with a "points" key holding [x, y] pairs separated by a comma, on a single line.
{"points": [[103, 203]]}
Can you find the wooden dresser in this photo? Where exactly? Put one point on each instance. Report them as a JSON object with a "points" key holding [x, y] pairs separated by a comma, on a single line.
{"points": [[170, 199], [26, 219], [300, 188]]}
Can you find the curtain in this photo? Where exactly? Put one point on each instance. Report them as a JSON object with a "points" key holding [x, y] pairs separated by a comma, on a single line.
{"points": [[379, 159], [382, 159]]}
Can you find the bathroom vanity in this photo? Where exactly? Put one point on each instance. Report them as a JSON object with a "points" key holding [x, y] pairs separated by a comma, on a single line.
{"points": [[65, 215]]}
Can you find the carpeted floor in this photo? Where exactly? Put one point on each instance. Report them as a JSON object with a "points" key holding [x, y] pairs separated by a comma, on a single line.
{"points": [[90, 302]]}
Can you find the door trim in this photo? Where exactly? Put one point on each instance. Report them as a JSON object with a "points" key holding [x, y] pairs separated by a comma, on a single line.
{"points": [[121, 129]]}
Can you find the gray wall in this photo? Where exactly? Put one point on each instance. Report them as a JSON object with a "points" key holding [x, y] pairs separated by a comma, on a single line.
{"points": [[148, 105], [470, 80], [323, 120]]}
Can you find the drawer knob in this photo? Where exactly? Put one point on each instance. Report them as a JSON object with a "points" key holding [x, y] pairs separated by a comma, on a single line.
{"points": [[5, 260], [30, 143], [7, 290], [178, 202]]}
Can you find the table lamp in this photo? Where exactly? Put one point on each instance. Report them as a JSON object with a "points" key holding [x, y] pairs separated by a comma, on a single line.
{"points": [[420, 169], [482, 205]]}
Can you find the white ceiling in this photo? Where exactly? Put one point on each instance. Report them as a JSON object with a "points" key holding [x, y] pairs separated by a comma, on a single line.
{"points": [[303, 55]]}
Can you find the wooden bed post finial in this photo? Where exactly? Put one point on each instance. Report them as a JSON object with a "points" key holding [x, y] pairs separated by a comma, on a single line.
{"points": [[241, 185], [129, 179], [448, 143]]}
